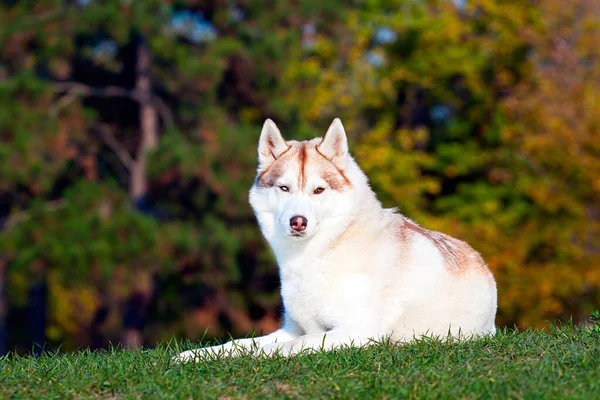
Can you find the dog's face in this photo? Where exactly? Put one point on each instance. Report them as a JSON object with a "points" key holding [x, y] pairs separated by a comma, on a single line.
{"points": [[300, 185]]}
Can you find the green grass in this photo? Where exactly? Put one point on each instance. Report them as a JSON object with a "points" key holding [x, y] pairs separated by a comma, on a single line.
{"points": [[561, 363]]}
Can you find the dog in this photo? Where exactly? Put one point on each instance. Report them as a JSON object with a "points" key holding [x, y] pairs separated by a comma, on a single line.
{"points": [[351, 271]]}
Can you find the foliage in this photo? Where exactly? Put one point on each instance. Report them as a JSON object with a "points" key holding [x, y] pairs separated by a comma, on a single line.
{"points": [[561, 363], [476, 118], [595, 320], [480, 122]]}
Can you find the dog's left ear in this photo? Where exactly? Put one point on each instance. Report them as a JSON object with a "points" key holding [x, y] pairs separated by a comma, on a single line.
{"points": [[334, 145]]}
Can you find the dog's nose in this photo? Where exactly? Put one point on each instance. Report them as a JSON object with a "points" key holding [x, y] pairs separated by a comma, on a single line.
{"points": [[298, 223]]}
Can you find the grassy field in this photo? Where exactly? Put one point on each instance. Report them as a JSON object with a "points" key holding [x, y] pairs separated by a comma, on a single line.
{"points": [[560, 363]]}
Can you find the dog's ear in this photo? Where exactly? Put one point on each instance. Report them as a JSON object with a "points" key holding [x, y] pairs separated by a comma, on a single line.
{"points": [[334, 145], [270, 145]]}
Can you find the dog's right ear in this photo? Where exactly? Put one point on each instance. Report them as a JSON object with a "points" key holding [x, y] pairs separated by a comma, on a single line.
{"points": [[270, 145]]}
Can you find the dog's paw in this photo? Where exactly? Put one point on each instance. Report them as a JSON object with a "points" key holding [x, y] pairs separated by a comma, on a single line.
{"points": [[227, 350], [190, 356], [286, 349]]}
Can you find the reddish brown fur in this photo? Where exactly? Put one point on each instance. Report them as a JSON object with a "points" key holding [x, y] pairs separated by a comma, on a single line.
{"points": [[301, 152], [269, 175], [303, 159], [458, 255], [346, 180]]}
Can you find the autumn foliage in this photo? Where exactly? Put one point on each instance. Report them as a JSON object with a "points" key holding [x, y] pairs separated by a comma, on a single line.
{"points": [[123, 185]]}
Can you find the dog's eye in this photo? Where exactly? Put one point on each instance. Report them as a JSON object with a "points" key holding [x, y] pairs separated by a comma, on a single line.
{"points": [[319, 190], [284, 188]]}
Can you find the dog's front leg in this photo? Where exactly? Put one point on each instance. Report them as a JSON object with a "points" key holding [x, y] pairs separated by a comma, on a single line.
{"points": [[236, 347], [321, 342]]}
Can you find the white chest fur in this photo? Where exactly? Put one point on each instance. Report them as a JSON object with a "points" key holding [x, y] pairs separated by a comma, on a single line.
{"points": [[320, 298]]}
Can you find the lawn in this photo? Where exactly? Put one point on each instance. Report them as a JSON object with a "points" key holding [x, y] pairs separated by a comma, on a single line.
{"points": [[560, 363]]}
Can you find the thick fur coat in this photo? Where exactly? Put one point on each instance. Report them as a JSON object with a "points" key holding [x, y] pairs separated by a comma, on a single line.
{"points": [[351, 271]]}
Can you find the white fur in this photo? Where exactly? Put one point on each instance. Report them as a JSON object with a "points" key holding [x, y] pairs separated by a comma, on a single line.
{"points": [[353, 278]]}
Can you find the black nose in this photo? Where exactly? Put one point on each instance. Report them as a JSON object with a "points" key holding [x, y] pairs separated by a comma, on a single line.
{"points": [[298, 223]]}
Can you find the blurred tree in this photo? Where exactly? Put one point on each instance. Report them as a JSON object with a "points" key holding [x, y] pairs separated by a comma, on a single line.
{"points": [[555, 119], [162, 98], [128, 145], [478, 119]]}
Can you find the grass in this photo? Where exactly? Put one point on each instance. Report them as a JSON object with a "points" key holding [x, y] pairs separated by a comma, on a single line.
{"points": [[559, 363]]}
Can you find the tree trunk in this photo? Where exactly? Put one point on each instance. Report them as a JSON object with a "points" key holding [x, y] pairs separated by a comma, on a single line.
{"points": [[135, 310], [37, 301], [138, 184]]}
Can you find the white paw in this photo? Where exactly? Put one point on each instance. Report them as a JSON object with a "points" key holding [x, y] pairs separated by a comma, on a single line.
{"points": [[230, 349], [189, 356], [285, 349]]}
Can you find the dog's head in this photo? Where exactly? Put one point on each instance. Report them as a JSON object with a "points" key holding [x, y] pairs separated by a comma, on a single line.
{"points": [[301, 185]]}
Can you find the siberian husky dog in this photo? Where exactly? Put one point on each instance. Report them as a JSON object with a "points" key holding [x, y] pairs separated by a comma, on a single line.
{"points": [[351, 271]]}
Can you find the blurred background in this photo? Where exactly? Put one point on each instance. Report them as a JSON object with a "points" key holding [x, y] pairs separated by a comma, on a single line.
{"points": [[128, 145]]}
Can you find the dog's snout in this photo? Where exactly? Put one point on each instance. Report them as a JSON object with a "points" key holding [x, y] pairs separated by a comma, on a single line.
{"points": [[298, 223]]}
